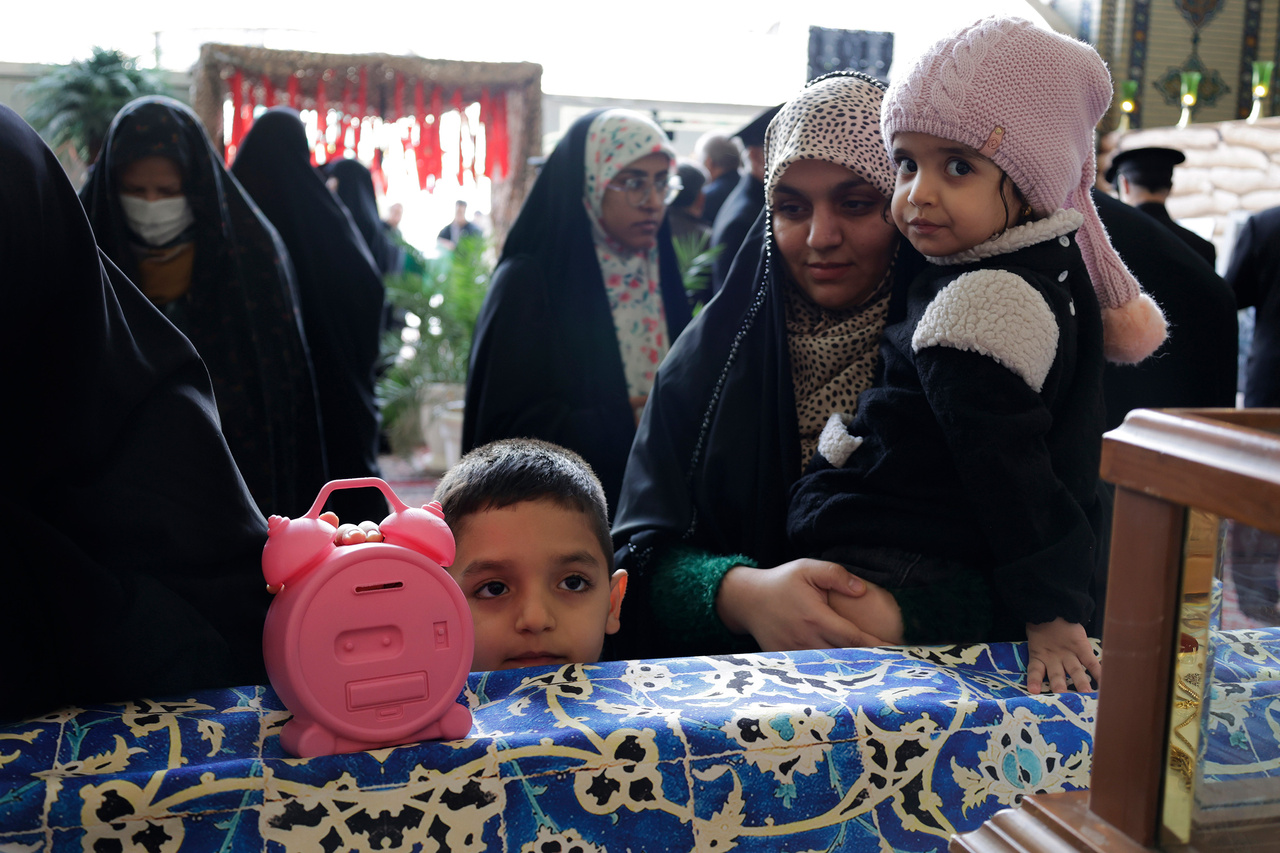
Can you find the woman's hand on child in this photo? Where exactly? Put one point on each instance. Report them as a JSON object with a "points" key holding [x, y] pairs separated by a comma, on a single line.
{"points": [[787, 607], [1059, 650], [876, 612], [353, 534]]}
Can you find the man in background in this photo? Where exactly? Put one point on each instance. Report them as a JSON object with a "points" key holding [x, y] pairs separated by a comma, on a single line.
{"points": [[460, 227], [1254, 275], [1144, 177], [745, 202], [720, 157]]}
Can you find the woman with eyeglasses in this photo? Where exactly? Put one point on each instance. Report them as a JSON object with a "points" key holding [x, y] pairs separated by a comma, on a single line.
{"points": [[738, 408], [586, 299]]}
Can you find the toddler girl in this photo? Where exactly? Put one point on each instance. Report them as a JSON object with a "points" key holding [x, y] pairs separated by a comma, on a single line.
{"points": [[968, 483]]}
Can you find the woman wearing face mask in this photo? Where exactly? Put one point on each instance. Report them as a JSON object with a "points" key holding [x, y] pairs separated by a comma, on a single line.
{"points": [[168, 213], [585, 301]]}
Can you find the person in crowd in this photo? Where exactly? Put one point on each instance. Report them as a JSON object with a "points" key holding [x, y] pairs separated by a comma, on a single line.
{"points": [[585, 301], [167, 213], [690, 234], [744, 204], [1144, 178], [395, 214], [1254, 274], [685, 212], [458, 227], [534, 558], [967, 484], [352, 182], [355, 190], [739, 403], [721, 158], [340, 291], [1197, 366], [138, 569]]}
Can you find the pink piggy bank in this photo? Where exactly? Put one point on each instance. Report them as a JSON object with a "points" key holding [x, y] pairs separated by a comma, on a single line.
{"points": [[368, 645]]}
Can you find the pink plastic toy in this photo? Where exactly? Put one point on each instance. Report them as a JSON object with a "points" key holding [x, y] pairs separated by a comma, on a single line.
{"points": [[368, 645]]}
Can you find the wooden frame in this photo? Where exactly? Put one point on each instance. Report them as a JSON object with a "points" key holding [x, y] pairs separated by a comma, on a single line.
{"points": [[1223, 461]]}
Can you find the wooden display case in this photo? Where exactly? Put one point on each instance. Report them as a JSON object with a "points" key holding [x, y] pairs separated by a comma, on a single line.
{"points": [[1177, 473]]}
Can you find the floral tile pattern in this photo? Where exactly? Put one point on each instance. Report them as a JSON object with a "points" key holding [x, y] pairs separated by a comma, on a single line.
{"points": [[849, 749]]}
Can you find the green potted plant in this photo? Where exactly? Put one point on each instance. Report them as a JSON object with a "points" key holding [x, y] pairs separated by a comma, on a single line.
{"points": [[74, 104], [695, 256], [421, 387]]}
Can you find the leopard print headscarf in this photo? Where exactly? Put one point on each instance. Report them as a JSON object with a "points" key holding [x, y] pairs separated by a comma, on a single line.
{"points": [[833, 353], [836, 118]]}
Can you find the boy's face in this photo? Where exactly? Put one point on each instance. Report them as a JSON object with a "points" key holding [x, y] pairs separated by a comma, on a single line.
{"points": [[538, 586]]}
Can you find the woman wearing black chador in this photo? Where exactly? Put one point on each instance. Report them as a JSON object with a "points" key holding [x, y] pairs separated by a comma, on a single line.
{"points": [[340, 290], [586, 299], [138, 568]]}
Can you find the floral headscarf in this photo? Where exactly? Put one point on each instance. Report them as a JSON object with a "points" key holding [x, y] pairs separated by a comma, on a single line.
{"points": [[615, 140]]}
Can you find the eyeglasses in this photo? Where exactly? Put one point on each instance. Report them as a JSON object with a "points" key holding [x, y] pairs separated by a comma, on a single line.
{"points": [[638, 189]]}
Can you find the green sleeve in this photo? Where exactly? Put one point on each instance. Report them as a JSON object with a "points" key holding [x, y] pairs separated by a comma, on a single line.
{"points": [[957, 610], [680, 591]]}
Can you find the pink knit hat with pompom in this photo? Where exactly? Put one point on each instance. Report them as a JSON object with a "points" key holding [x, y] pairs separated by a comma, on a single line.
{"points": [[1029, 100]]}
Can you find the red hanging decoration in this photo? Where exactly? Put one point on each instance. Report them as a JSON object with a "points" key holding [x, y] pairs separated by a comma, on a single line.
{"points": [[237, 101], [420, 148], [435, 157], [375, 172], [486, 121], [322, 121], [291, 91], [340, 145], [462, 118], [496, 144], [362, 106], [475, 149], [250, 101]]}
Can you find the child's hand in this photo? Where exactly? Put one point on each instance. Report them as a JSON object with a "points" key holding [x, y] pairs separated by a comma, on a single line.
{"points": [[1057, 650], [353, 534]]}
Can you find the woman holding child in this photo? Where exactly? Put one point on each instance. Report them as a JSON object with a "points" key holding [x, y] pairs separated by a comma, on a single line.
{"points": [[739, 404], [975, 499]]}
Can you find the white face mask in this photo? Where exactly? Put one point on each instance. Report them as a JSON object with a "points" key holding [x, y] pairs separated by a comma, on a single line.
{"points": [[157, 222]]}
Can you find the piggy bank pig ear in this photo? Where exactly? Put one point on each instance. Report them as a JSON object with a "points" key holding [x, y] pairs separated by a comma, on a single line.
{"points": [[422, 530], [294, 546]]}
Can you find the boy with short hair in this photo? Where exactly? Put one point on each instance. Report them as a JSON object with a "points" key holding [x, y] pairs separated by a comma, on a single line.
{"points": [[534, 554]]}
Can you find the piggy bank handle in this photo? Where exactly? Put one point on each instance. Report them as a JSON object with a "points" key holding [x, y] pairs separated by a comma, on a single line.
{"points": [[378, 483]]}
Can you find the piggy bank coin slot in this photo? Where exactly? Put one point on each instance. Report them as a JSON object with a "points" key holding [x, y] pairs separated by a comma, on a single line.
{"points": [[380, 587], [369, 644], [387, 690]]}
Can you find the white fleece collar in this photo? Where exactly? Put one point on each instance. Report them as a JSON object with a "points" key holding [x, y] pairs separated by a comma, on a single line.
{"points": [[1061, 221]]}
